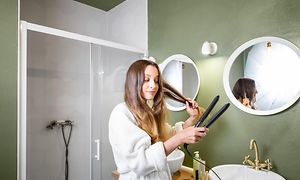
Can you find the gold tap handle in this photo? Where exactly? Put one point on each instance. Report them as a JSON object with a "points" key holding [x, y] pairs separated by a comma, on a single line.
{"points": [[269, 164], [246, 158]]}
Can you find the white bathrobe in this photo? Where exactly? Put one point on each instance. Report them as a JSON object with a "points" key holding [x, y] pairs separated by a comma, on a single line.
{"points": [[135, 157]]}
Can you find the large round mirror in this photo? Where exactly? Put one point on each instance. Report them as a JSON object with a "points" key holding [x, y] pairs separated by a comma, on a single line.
{"points": [[261, 77], [180, 72]]}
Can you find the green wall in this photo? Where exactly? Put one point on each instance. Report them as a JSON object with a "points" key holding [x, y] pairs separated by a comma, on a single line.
{"points": [[8, 88], [177, 26]]}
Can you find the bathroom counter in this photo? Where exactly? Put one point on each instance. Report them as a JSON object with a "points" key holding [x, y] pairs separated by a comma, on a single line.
{"points": [[184, 173]]}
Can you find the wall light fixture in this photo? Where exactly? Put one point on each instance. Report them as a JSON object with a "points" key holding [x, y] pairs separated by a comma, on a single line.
{"points": [[149, 58], [209, 48]]}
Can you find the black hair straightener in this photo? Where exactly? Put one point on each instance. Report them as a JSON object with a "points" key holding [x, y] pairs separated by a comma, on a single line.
{"points": [[209, 123], [214, 117]]}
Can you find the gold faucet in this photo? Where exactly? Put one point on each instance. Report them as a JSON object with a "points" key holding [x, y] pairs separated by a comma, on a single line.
{"points": [[256, 164]]}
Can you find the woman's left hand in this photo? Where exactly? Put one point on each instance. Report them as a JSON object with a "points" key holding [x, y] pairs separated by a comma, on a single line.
{"points": [[192, 108], [194, 111]]}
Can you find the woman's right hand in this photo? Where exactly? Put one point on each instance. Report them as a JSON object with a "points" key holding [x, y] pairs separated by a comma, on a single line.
{"points": [[191, 134]]}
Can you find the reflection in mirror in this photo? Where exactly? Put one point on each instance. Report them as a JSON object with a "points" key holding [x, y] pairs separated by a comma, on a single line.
{"points": [[273, 64], [244, 90], [180, 72]]}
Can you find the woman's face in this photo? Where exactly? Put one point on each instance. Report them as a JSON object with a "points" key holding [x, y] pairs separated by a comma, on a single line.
{"points": [[150, 84]]}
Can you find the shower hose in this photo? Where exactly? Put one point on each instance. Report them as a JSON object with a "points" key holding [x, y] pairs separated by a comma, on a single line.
{"points": [[66, 141]]}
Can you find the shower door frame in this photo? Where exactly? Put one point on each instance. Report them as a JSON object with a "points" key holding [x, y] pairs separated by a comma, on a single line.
{"points": [[22, 78]]}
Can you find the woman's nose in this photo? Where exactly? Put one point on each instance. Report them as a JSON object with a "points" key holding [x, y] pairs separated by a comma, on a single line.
{"points": [[152, 84]]}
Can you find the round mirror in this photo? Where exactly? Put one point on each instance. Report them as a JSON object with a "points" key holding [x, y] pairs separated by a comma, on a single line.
{"points": [[261, 77], [180, 72]]}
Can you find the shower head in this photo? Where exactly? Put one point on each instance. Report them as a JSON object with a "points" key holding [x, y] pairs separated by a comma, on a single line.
{"points": [[54, 123]]}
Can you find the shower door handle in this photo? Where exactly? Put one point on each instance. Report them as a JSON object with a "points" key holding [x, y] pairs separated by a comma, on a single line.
{"points": [[97, 156]]}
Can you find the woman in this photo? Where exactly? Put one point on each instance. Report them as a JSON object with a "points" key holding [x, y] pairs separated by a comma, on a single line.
{"points": [[139, 135], [245, 91]]}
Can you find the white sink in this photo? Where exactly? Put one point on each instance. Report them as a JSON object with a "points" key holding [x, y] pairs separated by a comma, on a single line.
{"points": [[242, 172], [175, 160]]}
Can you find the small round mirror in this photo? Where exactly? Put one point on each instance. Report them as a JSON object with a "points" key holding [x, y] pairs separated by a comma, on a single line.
{"points": [[180, 72], [261, 77]]}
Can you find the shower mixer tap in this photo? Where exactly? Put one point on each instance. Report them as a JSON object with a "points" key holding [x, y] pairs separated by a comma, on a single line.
{"points": [[59, 123], [62, 124]]}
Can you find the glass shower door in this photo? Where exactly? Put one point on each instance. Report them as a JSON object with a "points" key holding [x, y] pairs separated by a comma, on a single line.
{"points": [[68, 88], [58, 89], [109, 67]]}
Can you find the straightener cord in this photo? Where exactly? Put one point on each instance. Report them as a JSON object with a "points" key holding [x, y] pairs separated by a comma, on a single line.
{"points": [[185, 147]]}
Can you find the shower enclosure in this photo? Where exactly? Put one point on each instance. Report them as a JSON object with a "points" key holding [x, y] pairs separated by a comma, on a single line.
{"points": [[67, 76]]}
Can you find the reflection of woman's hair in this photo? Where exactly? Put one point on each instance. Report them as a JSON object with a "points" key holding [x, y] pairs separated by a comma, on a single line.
{"points": [[150, 120], [244, 88]]}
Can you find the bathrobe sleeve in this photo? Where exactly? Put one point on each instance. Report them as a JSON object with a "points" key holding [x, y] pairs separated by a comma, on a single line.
{"points": [[131, 145], [172, 130]]}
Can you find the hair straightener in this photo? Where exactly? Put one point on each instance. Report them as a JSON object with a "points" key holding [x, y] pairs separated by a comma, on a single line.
{"points": [[215, 116], [209, 122]]}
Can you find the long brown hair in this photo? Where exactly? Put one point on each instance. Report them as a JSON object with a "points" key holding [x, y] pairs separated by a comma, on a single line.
{"points": [[172, 93], [151, 120]]}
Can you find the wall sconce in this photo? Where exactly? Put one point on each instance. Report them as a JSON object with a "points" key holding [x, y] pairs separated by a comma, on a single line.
{"points": [[209, 48], [149, 58]]}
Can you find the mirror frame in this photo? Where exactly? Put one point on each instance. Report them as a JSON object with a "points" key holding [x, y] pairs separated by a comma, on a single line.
{"points": [[185, 59], [230, 62]]}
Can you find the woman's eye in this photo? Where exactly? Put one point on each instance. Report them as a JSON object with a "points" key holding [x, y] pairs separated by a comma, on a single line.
{"points": [[149, 79]]}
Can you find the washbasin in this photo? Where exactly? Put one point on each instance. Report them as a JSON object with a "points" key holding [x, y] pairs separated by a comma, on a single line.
{"points": [[175, 160], [242, 172]]}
